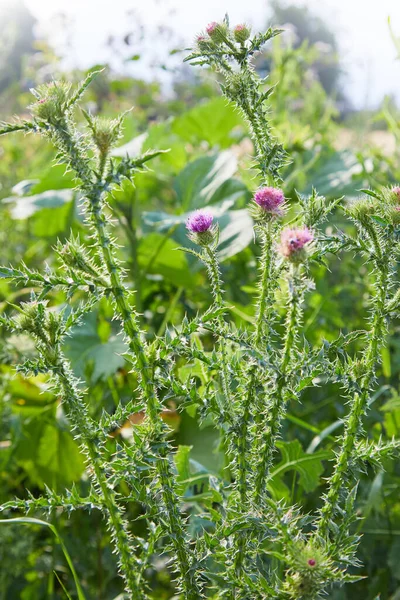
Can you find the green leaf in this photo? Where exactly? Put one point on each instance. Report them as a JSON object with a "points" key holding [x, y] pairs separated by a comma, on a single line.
{"points": [[48, 453], [201, 181], [54, 177], [337, 174], [236, 233], [182, 463], [212, 122], [58, 453], [26, 206], [309, 466], [86, 347], [158, 254]]}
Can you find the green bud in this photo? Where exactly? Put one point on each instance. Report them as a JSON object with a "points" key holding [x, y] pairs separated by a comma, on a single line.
{"points": [[241, 33], [105, 132], [361, 209], [218, 32], [52, 100]]}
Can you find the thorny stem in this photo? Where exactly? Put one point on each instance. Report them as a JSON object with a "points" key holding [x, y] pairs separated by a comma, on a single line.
{"points": [[243, 433], [213, 269], [277, 409], [243, 441], [82, 424], [94, 191], [359, 404], [265, 284]]}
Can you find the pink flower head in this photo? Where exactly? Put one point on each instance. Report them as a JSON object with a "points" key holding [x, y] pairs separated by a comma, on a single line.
{"points": [[396, 191], [241, 33], [270, 199], [294, 240], [312, 562], [199, 221], [212, 28]]}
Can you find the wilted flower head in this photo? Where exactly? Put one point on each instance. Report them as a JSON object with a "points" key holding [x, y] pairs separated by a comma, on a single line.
{"points": [[200, 227], [293, 242]]}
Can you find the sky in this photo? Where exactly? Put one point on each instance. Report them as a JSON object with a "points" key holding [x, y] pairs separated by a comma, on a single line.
{"points": [[368, 53]]}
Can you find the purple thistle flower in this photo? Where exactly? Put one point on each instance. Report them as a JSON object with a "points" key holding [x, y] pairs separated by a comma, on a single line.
{"points": [[270, 199], [294, 240], [199, 221]]}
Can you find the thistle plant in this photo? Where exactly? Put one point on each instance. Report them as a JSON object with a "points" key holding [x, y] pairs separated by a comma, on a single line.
{"points": [[253, 545]]}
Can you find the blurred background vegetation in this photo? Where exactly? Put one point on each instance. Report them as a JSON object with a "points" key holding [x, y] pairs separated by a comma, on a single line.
{"points": [[334, 146]]}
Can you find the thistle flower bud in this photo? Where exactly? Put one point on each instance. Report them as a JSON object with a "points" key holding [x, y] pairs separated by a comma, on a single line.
{"points": [[203, 43], [362, 209], [268, 203], [294, 243], [105, 132], [200, 227], [52, 99], [217, 31], [241, 33]]}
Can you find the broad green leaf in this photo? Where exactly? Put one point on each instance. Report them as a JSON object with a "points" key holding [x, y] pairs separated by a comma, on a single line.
{"points": [[386, 362], [158, 254], [58, 453], [85, 346], [51, 222], [200, 182], [55, 177], [161, 136], [309, 466], [336, 174], [213, 122], [236, 233], [48, 453], [26, 206]]}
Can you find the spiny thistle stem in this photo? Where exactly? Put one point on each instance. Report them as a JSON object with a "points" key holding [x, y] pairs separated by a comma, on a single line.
{"points": [[82, 424], [265, 284], [216, 285], [262, 319], [359, 403], [277, 409], [143, 367]]}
